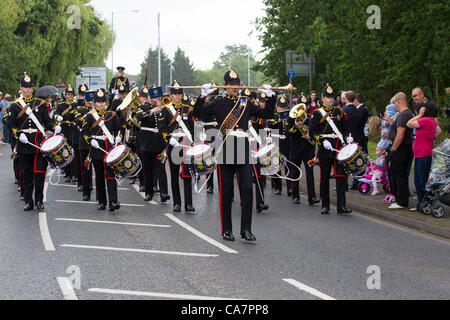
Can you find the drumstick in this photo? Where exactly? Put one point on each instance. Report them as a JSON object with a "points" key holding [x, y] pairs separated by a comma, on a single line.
{"points": [[34, 145]]}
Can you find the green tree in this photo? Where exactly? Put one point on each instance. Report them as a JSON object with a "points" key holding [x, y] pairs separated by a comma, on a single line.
{"points": [[151, 60], [41, 41], [183, 70], [410, 49]]}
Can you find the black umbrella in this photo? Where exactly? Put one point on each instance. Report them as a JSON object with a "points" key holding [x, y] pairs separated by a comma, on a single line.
{"points": [[47, 91]]}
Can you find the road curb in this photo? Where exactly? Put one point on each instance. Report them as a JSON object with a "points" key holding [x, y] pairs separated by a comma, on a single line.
{"points": [[408, 222]]}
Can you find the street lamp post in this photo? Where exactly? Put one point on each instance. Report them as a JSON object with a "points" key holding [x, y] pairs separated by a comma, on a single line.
{"points": [[112, 33]]}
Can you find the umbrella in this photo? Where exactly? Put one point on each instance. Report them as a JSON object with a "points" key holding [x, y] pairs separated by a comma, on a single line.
{"points": [[47, 91]]}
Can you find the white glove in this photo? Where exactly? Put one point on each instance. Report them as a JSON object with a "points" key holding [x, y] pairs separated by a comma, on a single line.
{"points": [[23, 138], [269, 140], [267, 90], [206, 89], [174, 143], [203, 137], [118, 139], [350, 139], [327, 145], [59, 118], [94, 144], [58, 129]]}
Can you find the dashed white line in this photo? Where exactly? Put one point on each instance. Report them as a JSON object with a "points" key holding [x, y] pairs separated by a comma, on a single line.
{"points": [[308, 289], [200, 235], [45, 234], [66, 288], [141, 251], [45, 191], [91, 202], [113, 222], [157, 294]]}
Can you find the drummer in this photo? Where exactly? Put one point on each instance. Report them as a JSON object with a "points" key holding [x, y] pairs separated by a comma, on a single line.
{"points": [[64, 116], [28, 129], [101, 130], [328, 140]]}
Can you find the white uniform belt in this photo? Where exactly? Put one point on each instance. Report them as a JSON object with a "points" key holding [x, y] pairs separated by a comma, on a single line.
{"points": [[99, 137], [210, 123], [155, 130], [331, 136], [178, 134], [239, 134], [30, 130]]}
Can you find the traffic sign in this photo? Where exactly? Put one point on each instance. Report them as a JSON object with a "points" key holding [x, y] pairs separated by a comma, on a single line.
{"points": [[291, 74], [60, 83]]}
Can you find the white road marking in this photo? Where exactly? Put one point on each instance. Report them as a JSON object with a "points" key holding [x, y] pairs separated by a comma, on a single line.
{"points": [[141, 251], [157, 294], [91, 202], [66, 288], [113, 222], [75, 186], [45, 191], [153, 202], [200, 235], [308, 289], [45, 234]]}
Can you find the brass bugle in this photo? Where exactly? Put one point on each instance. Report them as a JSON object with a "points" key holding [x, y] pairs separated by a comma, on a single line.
{"points": [[289, 87]]}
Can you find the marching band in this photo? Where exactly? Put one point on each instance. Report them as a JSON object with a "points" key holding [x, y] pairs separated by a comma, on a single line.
{"points": [[132, 134]]}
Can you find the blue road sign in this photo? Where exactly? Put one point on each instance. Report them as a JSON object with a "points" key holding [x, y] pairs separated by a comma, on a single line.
{"points": [[291, 74]]}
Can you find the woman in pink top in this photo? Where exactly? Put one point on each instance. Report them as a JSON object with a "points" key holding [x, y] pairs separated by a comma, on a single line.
{"points": [[427, 129]]}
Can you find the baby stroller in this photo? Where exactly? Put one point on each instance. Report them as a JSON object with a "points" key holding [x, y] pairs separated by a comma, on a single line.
{"points": [[437, 188], [365, 183]]}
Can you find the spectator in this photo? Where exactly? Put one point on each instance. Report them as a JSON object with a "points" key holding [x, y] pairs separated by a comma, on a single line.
{"points": [[389, 117], [313, 103], [418, 95], [354, 119], [401, 152], [359, 103], [427, 128], [1, 118], [6, 131], [338, 103]]}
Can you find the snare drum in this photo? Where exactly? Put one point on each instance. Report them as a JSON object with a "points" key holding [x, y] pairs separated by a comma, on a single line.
{"points": [[124, 163], [57, 151], [200, 159], [270, 159], [354, 159]]}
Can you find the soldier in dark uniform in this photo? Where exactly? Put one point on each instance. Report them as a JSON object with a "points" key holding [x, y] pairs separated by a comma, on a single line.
{"points": [[327, 139], [301, 150], [84, 148], [64, 116], [168, 126], [151, 144], [209, 123], [97, 136], [258, 124], [28, 118], [160, 176], [233, 113], [81, 102], [116, 82], [281, 125]]}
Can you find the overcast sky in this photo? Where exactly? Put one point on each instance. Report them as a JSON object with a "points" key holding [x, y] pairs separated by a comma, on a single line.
{"points": [[202, 28]]}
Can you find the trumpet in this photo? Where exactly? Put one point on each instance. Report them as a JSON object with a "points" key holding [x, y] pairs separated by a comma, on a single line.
{"points": [[298, 112]]}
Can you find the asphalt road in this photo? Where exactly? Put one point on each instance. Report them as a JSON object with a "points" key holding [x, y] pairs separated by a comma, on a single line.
{"points": [[145, 251]]}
